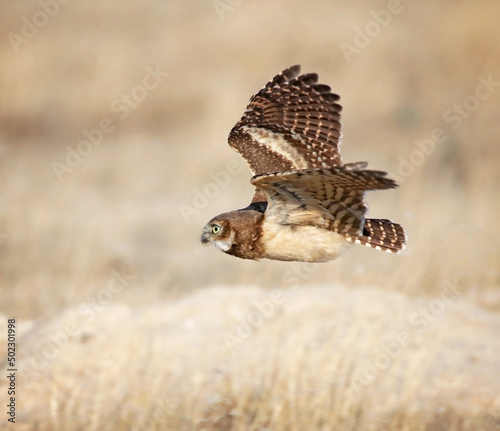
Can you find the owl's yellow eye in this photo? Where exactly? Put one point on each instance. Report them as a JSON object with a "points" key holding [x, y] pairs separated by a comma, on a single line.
{"points": [[216, 229]]}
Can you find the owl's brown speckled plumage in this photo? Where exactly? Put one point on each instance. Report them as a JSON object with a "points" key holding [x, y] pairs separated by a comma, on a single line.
{"points": [[307, 205]]}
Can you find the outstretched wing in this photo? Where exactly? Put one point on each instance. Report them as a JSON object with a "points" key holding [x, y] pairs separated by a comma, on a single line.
{"points": [[331, 198], [292, 123]]}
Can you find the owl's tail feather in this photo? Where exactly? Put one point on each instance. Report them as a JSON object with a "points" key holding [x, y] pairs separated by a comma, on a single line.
{"points": [[382, 234]]}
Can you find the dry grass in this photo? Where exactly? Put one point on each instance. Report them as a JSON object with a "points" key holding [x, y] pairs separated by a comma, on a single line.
{"points": [[321, 357], [160, 337]]}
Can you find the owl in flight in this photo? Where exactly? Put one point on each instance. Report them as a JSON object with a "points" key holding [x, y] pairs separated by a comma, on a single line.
{"points": [[308, 205]]}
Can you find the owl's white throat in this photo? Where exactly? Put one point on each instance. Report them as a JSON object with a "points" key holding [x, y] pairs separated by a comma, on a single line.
{"points": [[224, 245]]}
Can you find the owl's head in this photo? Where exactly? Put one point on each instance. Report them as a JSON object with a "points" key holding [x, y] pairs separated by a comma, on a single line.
{"points": [[219, 233], [236, 233]]}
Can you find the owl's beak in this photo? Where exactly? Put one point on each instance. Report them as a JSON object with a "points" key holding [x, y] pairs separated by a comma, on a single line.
{"points": [[205, 236]]}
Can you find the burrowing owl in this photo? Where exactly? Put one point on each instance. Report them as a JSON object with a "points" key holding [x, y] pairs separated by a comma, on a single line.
{"points": [[307, 205]]}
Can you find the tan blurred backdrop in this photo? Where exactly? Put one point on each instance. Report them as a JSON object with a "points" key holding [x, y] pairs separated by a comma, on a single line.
{"points": [[401, 73], [113, 153]]}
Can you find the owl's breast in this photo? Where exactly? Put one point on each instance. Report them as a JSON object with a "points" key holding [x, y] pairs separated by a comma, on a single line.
{"points": [[300, 243]]}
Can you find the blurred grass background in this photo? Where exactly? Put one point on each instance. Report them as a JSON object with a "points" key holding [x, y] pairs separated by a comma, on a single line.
{"points": [[121, 208]]}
